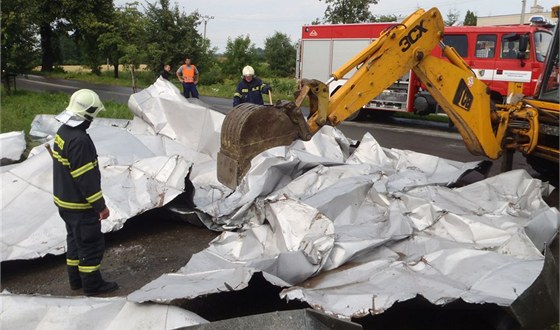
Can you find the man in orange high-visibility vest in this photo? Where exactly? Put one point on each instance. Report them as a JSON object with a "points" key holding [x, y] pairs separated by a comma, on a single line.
{"points": [[188, 75]]}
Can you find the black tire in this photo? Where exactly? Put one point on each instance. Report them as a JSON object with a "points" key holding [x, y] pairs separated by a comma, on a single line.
{"points": [[546, 168], [356, 116]]}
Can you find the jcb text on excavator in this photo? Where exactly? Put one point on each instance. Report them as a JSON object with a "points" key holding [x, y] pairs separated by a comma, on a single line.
{"points": [[529, 125]]}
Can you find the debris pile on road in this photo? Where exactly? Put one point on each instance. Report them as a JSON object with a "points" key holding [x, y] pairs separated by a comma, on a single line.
{"points": [[351, 233]]}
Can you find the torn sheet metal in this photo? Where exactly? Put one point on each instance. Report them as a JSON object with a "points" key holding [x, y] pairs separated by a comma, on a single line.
{"points": [[46, 312], [290, 248], [44, 127], [140, 171], [12, 146], [337, 230], [340, 187], [277, 167], [134, 179], [162, 110], [471, 243], [398, 232]]}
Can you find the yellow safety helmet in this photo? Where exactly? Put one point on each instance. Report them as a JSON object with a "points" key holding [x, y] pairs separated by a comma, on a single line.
{"points": [[248, 71], [84, 105]]}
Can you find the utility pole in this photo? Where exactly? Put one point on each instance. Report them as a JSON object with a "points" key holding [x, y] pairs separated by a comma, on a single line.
{"points": [[522, 17], [205, 20]]}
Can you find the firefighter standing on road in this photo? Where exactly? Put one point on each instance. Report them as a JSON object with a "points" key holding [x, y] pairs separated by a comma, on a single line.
{"points": [[77, 193], [188, 75], [250, 88]]}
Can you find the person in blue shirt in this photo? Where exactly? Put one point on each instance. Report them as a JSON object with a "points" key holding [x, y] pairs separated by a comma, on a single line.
{"points": [[250, 89]]}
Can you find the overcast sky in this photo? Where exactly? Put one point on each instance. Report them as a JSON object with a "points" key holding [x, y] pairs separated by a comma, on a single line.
{"points": [[262, 18]]}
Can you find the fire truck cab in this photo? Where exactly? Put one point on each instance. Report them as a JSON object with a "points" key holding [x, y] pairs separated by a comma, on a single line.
{"points": [[509, 59], [506, 58]]}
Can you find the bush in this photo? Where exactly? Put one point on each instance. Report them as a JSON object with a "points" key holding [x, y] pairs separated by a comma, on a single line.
{"points": [[212, 76], [263, 70], [284, 86]]}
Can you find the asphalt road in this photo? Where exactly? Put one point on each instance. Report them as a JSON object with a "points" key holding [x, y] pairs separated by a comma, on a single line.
{"points": [[106, 92]]}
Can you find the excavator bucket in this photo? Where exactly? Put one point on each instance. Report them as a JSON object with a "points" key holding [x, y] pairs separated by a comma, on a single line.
{"points": [[248, 129]]}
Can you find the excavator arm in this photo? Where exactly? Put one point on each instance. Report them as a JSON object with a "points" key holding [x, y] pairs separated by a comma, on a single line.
{"points": [[379, 65], [486, 129]]}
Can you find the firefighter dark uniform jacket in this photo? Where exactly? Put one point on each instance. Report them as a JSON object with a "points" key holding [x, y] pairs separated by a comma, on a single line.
{"points": [[77, 180], [250, 92]]}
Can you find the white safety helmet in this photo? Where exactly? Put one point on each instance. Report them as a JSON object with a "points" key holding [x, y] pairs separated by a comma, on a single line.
{"points": [[248, 71], [84, 105]]}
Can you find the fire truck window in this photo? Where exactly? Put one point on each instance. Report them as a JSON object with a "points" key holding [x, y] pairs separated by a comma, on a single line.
{"points": [[509, 49], [459, 42], [542, 40], [485, 46]]}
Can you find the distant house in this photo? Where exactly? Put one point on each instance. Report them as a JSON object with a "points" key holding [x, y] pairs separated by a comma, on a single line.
{"points": [[536, 15]]}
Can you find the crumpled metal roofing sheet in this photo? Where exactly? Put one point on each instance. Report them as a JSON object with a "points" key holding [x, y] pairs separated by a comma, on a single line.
{"points": [[142, 168], [349, 233], [46, 312]]}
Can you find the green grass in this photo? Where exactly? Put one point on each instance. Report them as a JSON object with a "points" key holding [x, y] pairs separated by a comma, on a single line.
{"points": [[282, 89], [143, 78], [20, 108]]}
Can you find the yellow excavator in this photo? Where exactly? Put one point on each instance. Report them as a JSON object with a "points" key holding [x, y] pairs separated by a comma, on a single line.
{"points": [[528, 125]]}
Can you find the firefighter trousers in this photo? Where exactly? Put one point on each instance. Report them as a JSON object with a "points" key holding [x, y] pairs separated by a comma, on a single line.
{"points": [[85, 244]]}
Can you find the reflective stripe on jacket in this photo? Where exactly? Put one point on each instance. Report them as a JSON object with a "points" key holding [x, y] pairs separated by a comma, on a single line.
{"points": [[250, 92], [76, 175]]}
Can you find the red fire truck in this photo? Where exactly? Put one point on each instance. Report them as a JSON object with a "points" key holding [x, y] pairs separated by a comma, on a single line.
{"points": [[504, 57]]}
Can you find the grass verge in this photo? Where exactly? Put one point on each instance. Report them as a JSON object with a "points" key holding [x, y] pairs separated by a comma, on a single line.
{"points": [[20, 108]]}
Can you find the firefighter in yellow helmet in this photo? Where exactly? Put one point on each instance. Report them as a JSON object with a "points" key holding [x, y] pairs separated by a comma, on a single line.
{"points": [[250, 88], [77, 193]]}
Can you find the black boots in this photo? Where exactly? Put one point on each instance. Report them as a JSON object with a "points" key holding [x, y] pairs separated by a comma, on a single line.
{"points": [[74, 277], [94, 284]]}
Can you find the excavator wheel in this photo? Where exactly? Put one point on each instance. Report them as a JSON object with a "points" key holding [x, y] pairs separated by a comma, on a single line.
{"points": [[249, 129]]}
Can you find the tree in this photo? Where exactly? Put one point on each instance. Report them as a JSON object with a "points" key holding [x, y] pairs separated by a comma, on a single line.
{"points": [[280, 54], [87, 20], [348, 11], [317, 21], [124, 39], [239, 53], [172, 36], [470, 19], [19, 44], [47, 13], [384, 18], [452, 17], [69, 52]]}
